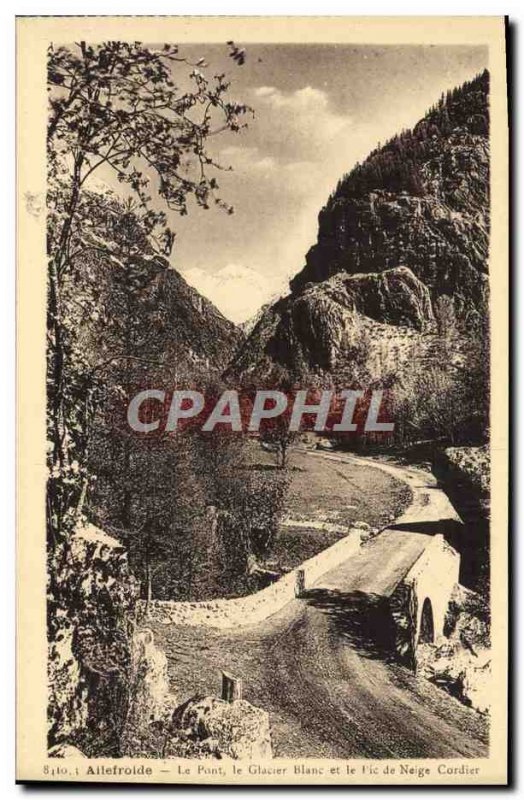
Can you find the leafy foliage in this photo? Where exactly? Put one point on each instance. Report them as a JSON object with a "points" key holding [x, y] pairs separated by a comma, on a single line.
{"points": [[145, 115], [135, 111]]}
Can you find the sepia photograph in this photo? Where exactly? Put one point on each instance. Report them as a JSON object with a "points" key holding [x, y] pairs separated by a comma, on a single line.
{"points": [[263, 281]]}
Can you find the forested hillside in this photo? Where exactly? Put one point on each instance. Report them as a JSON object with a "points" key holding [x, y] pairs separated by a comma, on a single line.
{"points": [[420, 201]]}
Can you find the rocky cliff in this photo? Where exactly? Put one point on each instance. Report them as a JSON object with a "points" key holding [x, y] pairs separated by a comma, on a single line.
{"points": [[408, 226], [422, 200], [326, 324], [193, 322]]}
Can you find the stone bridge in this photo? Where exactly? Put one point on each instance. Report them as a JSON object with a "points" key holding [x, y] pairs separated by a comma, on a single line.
{"points": [[399, 585], [410, 569]]}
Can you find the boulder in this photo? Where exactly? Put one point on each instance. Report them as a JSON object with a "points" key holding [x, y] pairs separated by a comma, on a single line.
{"points": [[461, 664], [149, 668], [465, 474], [361, 526], [461, 673], [65, 750], [213, 727]]}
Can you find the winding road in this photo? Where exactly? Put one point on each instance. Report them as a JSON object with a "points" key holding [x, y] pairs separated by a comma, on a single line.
{"points": [[323, 674]]}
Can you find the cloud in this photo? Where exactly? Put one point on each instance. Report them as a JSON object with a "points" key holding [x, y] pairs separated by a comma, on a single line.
{"points": [[299, 98], [265, 164], [306, 113], [263, 91], [292, 138], [248, 159], [284, 165]]}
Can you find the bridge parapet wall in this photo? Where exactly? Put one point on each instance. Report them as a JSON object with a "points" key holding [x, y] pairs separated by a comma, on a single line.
{"points": [[255, 607]]}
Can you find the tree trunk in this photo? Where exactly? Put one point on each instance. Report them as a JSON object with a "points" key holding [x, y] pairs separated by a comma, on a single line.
{"points": [[56, 367], [149, 588], [59, 499]]}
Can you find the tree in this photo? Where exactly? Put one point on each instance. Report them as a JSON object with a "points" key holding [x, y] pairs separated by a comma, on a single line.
{"points": [[116, 106], [276, 434]]}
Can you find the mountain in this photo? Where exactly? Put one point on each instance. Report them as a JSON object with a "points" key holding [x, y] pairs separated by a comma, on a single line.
{"points": [[403, 233], [328, 323], [193, 322], [146, 309], [249, 325], [422, 201]]}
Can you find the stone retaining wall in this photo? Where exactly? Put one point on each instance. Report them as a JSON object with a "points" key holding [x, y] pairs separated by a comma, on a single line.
{"points": [[255, 607]]}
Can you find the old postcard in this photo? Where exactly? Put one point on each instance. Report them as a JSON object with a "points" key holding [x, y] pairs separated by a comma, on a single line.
{"points": [[262, 400]]}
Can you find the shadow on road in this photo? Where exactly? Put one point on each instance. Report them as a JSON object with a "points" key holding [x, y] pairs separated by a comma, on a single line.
{"points": [[450, 528], [360, 620], [470, 540]]}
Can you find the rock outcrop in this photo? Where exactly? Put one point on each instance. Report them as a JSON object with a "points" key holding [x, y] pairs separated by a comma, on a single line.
{"points": [[89, 644], [465, 474], [65, 751], [151, 701], [329, 323], [209, 727]]}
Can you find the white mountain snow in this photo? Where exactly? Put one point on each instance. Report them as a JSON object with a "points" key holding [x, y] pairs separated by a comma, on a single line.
{"points": [[237, 291]]}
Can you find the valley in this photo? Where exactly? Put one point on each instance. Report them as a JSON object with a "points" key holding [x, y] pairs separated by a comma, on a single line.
{"points": [[194, 529]]}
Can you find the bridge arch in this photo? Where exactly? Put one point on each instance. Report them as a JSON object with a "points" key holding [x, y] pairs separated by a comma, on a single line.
{"points": [[426, 634], [421, 600]]}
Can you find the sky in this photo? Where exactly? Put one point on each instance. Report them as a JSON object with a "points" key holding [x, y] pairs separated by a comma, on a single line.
{"points": [[318, 110]]}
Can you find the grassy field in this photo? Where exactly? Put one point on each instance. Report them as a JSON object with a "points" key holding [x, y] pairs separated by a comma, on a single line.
{"points": [[327, 497]]}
